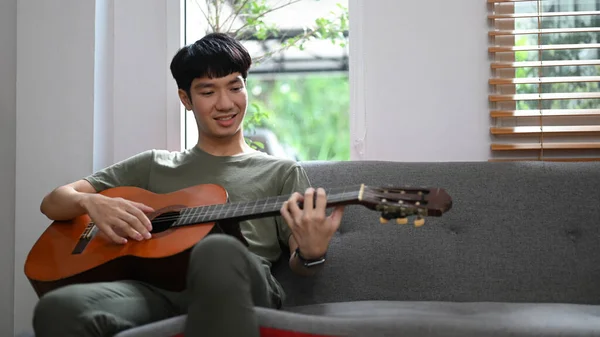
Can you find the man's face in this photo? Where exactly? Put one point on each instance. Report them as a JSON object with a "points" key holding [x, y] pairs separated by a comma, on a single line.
{"points": [[219, 104]]}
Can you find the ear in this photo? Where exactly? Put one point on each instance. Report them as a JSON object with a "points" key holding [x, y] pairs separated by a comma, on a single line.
{"points": [[185, 100]]}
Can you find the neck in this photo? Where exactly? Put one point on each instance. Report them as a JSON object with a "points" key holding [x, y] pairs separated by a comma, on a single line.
{"points": [[271, 206], [225, 146]]}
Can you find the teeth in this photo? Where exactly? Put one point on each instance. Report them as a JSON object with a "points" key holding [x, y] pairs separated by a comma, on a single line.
{"points": [[225, 118]]}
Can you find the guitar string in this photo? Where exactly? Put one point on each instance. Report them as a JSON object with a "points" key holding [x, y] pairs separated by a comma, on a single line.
{"points": [[242, 209], [246, 207], [278, 203]]}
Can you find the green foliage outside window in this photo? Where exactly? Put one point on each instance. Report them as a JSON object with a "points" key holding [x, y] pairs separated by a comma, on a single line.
{"points": [[306, 113], [555, 55]]}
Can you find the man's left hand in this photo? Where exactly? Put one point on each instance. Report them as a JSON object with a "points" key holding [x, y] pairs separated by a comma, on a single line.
{"points": [[311, 227]]}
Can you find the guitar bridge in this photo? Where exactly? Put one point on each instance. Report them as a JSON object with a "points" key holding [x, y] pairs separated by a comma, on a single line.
{"points": [[85, 238]]}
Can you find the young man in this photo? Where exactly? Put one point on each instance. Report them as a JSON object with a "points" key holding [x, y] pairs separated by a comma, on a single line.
{"points": [[225, 278]]}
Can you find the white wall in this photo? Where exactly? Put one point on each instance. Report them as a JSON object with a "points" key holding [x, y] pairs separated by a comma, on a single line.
{"points": [[55, 110], [92, 83], [8, 65], [419, 82]]}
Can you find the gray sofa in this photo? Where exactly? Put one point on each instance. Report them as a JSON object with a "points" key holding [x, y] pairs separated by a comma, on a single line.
{"points": [[517, 255]]}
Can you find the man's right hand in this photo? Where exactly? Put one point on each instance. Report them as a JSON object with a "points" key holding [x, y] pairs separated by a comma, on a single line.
{"points": [[118, 218]]}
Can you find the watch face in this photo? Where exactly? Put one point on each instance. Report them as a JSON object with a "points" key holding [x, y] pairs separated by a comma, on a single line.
{"points": [[314, 263]]}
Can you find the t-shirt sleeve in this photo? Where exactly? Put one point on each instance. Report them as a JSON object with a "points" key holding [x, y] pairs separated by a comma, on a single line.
{"points": [[133, 171], [295, 181]]}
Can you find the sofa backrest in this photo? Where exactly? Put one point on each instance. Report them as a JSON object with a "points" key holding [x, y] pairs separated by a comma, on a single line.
{"points": [[517, 232]]}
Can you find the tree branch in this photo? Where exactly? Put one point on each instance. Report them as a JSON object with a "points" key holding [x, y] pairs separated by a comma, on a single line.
{"points": [[206, 16], [218, 9], [304, 36], [236, 14], [290, 2]]}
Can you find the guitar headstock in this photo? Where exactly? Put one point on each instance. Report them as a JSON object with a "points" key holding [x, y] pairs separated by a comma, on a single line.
{"points": [[402, 202]]}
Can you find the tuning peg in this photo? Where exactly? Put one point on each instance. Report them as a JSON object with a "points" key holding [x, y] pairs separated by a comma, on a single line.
{"points": [[419, 222], [401, 221], [383, 220]]}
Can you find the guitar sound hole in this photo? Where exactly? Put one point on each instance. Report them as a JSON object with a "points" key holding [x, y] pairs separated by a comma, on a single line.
{"points": [[164, 221]]}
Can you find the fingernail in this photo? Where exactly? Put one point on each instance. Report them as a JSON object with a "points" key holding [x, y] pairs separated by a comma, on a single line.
{"points": [[147, 235]]}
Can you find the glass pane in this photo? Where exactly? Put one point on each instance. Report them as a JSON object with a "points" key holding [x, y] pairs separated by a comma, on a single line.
{"points": [[572, 54], [307, 113], [298, 97]]}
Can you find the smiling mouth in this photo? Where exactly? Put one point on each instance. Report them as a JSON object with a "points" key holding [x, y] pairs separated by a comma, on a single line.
{"points": [[226, 118]]}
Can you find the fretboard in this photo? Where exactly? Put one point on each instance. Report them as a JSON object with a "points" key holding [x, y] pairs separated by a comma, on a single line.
{"points": [[271, 206]]}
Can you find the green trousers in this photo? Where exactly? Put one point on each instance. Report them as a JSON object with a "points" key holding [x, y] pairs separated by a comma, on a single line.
{"points": [[225, 282]]}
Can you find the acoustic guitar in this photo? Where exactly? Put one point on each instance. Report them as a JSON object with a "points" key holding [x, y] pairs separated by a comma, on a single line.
{"points": [[76, 251]]}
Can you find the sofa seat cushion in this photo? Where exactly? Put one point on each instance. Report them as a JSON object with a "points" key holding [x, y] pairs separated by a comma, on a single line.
{"points": [[399, 318], [420, 318]]}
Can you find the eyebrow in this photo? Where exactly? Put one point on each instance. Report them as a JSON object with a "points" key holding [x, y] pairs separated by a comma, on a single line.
{"points": [[201, 85]]}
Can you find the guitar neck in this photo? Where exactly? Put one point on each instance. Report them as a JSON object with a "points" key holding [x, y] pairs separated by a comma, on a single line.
{"points": [[271, 206]]}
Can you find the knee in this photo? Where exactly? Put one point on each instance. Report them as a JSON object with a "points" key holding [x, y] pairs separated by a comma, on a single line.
{"points": [[60, 305], [72, 311], [216, 257], [218, 247]]}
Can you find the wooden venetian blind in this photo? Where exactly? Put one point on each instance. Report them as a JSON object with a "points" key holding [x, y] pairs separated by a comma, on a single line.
{"points": [[545, 75]]}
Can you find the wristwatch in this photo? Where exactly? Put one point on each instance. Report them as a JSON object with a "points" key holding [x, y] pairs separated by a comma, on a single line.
{"points": [[309, 263]]}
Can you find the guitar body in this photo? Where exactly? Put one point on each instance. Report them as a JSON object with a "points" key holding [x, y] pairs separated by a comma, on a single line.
{"points": [[161, 260]]}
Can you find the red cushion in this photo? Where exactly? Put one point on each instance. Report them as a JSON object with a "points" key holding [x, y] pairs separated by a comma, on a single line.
{"points": [[272, 332]]}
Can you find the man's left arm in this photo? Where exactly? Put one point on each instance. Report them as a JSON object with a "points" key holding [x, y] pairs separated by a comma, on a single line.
{"points": [[306, 230], [311, 229]]}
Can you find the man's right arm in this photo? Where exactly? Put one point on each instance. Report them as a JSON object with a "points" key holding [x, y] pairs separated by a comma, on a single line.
{"points": [[118, 218], [68, 201]]}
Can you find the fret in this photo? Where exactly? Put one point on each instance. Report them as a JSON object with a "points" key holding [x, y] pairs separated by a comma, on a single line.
{"points": [[254, 206], [184, 218], [180, 217], [236, 209], [195, 216], [201, 214], [183, 215], [209, 213], [189, 215], [231, 211], [265, 205], [220, 210]]}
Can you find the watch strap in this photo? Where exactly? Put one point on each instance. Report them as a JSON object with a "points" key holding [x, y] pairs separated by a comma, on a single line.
{"points": [[308, 263]]}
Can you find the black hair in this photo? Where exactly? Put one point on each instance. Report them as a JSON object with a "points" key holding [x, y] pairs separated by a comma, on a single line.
{"points": [[214, 55]]}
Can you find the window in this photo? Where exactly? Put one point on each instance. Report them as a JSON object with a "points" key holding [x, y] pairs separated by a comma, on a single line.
{"points": [[302, 92], [545, 93]]}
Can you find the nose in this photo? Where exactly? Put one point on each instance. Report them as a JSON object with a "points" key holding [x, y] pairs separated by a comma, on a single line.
{"points": [[224, 103]]}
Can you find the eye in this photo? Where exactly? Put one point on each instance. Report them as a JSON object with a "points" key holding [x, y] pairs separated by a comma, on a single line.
{"points": [[208, 93], [237, 88]]}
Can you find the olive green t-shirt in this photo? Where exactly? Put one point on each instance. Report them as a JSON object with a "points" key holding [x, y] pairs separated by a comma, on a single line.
{"points": [[245, 177]]}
